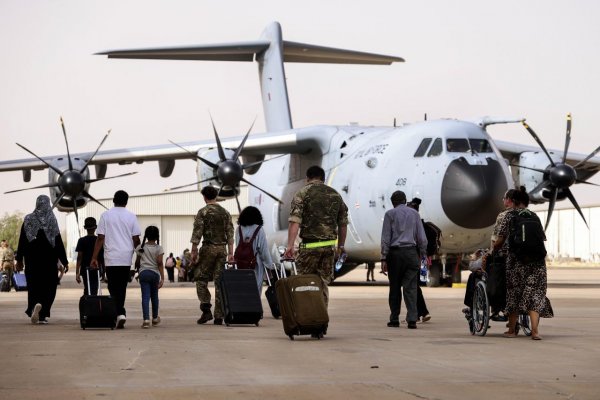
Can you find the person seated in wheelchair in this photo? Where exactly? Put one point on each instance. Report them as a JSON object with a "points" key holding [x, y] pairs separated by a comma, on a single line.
{"points": [[491, 265]]}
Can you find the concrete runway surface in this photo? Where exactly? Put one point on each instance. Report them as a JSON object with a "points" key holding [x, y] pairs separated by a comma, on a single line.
{"points": [[360, 358]]}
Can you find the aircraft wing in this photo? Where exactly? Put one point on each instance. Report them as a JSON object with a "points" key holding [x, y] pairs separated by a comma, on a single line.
{"points": [[292, 141], [511, 151]]}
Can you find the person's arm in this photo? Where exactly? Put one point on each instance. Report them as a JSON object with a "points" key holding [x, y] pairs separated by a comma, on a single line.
{"points": [[78, 267], [386, 237], [230, 240], [21, 248], [99, 244], [197, 233], [293, 229], [161, 269], [136, 241], [342, 231], [61, 253]]}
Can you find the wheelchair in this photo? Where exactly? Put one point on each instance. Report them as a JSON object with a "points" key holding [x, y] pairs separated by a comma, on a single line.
{"points": [[479, 321]]}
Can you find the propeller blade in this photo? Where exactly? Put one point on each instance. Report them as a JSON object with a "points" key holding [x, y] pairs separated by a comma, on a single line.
{"points": [[197, 157], [59, 198], [219, 146], [567, 137], [241, 146], [96, 152], [62, 124], [592, 154], [190, 184], [35, 187], [576, 181], [540, 186], [265, 192], [89, 196], [254, 163], [110, 177], [58, 171], [76, 214], [537, 139], [574, 202], [553, 196], [238, 202], [533, 169]]}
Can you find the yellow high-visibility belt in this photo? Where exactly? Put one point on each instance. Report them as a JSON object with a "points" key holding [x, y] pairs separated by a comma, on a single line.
{"points": [[313, 245]]}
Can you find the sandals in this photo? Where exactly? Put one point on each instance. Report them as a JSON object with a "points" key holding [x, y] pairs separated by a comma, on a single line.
{"points": [[509, 334]]}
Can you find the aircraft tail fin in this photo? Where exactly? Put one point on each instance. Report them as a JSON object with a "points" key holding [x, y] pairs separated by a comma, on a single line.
{"points": [[271, 51]]}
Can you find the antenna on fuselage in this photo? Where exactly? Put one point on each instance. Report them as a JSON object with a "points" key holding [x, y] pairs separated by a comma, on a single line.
{"points": [[425, 117], [394, 122]]}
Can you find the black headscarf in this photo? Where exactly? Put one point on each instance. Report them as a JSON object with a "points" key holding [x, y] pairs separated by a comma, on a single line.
{"points": [[41, 218]]}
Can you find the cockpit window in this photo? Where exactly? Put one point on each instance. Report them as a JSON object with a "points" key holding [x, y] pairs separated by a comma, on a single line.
{"points": [[423, 147], [436, 148], [457, 145], [481, 146], [467, 145]]}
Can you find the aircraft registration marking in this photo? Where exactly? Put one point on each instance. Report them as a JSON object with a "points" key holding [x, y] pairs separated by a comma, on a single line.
{"points": [[377, 149]]}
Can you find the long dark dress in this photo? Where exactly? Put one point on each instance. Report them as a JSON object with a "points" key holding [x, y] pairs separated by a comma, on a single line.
{"points": [[41, 269]]}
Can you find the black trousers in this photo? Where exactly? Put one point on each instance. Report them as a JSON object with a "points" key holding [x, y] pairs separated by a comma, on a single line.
{"points": [[171, 273], [421, 306], [118, 278], [403, 272]]}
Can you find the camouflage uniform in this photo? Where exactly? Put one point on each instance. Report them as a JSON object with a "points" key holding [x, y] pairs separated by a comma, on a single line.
{"points": [[213, 225], [320, 211], [7, 259]]}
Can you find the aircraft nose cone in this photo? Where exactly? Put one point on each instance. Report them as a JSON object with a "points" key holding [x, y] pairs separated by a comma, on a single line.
{"points": [[472, 194]]}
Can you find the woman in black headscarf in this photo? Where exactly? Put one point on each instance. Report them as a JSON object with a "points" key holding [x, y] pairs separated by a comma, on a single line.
{"points": [[40, 244]]}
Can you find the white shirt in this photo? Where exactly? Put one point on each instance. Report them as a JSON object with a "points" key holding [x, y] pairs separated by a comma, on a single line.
{"points": [[118, 225]]}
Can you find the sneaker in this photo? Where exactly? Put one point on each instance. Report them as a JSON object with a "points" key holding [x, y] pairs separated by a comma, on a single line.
{"points": [[35, 315], [426, 318], [43, 322], [218, 321], [121, 319], [146, 324], [155, 321], [393, 324], [412, 325]]}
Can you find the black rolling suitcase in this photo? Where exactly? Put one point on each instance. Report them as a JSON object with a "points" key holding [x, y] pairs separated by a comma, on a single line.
{"points": [[302, 305], [271, 294], [240, 298], [97, 311]]}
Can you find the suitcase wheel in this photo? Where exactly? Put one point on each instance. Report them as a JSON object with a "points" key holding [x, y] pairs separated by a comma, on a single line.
{"points": [[291, 337], [226, 324], [256, 324]]}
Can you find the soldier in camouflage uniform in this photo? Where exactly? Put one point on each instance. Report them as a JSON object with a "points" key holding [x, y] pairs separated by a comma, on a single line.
{"points": [[213, 225], [321, 216], [7, 260]]}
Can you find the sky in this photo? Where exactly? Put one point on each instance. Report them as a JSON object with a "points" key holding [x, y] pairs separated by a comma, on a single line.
{"points": [[464, 59]]}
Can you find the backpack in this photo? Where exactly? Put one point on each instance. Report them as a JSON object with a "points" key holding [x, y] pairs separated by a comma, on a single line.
{"points": [[244, 253], [433, 235], [526, 237], [169, 263]]}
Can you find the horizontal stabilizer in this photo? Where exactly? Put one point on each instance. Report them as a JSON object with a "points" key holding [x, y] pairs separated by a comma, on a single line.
{"points": [[245, 51], [242, 51]]}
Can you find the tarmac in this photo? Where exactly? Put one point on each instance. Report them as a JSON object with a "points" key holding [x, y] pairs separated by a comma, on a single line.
{"points": [[360, 358]]}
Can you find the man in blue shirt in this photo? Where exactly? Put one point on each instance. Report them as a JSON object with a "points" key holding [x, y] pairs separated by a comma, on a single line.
{"points": [[403, 243]]}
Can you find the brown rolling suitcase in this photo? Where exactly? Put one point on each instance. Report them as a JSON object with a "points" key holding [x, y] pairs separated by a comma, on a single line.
{"points": [[302, 305]]}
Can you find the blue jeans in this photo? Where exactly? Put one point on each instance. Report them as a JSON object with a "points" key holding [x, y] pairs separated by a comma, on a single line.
{"points": [[149, 285]]}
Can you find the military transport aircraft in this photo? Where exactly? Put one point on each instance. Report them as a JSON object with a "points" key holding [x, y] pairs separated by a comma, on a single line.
{"points": [[458, 170]]}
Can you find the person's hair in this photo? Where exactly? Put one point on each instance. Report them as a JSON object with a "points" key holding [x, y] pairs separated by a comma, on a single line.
{"points": [[414, 203], [120, 198], [209, 192], [398, 197], [315, 172], [521, 197], [250, 216], [151, 233], [170, 254]]}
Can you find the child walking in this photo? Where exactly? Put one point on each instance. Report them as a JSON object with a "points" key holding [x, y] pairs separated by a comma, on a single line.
{"points": [[85, 249], [151, 274]]}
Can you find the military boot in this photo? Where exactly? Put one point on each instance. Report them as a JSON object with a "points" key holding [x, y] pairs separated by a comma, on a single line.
{"points": [[206, 313]]}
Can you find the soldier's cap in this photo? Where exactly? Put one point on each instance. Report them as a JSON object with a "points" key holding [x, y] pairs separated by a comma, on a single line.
{"points": [[398, 197], [89, 223]]}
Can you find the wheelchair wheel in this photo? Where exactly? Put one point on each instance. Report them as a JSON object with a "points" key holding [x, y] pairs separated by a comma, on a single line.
{"points": [[481, 310], [523, 323]]}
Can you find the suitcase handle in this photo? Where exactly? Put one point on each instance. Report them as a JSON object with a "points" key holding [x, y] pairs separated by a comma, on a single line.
{"points": [[291, 260], [267, 274], [99, 292], [228, 265]]}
